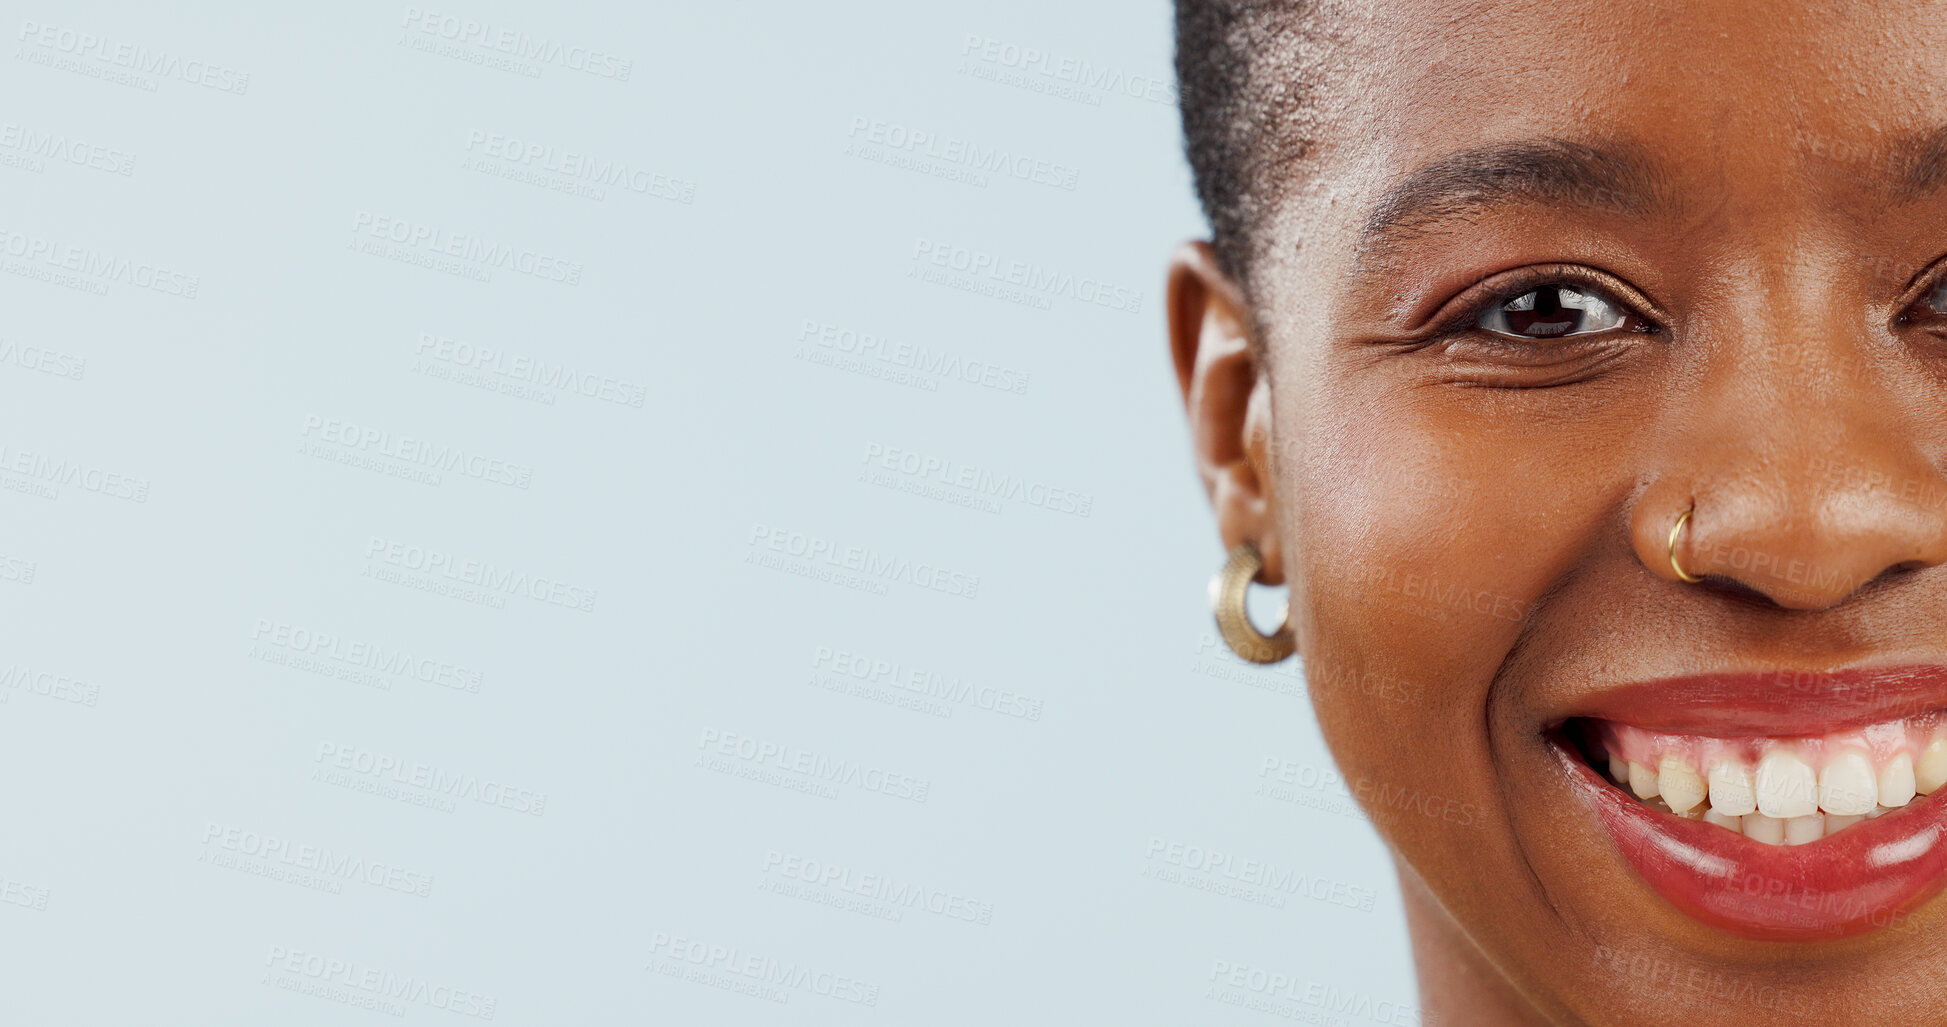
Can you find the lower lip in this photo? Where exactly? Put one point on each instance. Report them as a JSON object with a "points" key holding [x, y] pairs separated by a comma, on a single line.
{"points": [[1867, 877]]}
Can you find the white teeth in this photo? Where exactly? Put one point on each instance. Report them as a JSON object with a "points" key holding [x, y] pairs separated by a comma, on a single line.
{"points": [[1848, 786], [1711, 816], [1776, 789], [1799, 830], [1680, 786], [1730, 789], [1642, 780], [1896, 782], [1785, 785], [1760, 828], [1931, 772], [1834, 821]]}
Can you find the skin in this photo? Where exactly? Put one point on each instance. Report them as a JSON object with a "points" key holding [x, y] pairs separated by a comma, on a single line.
{"points": [[1782, 395]]}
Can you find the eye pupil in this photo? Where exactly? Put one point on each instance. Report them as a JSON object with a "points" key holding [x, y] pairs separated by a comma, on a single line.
{"points": [[1545, 315], [1551, 312]]}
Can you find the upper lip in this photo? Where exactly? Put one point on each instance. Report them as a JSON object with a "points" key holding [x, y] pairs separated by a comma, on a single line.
{"points": [[1776, 701]]}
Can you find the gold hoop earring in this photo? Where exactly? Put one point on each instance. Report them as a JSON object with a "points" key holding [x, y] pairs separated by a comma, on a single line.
{"points": [[1227, 593], [1675, 530]]}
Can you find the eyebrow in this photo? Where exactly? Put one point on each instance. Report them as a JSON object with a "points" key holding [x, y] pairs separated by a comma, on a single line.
{"points": [[1613, 177], [1616, 178], [1920, 164]]}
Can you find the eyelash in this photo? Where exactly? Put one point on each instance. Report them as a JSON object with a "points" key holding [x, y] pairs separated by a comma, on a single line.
{"points": [[1935, 284], [1465, 322], [1515, 284]]}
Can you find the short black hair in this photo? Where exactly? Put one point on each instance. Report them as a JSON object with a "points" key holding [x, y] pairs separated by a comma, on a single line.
{"points": [[1245, 72]]}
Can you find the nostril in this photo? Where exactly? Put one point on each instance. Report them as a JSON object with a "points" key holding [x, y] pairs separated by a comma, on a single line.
{"points": [[1733, 589]]}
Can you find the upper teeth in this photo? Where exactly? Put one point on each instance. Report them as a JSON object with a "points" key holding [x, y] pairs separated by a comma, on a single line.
{"points": [[1774, 789], [1731, 791]]}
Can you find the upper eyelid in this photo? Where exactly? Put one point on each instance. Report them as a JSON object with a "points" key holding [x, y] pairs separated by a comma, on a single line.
{"points": [[1930, 279], [1923, 283], [1476, 297], [1930, 282]]}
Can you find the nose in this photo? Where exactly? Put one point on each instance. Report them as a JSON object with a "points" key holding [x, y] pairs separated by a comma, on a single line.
{"points": [[1803, 485]]}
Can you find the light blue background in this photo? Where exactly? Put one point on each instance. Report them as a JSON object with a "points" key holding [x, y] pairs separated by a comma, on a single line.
{"points": [[1081, 833]]}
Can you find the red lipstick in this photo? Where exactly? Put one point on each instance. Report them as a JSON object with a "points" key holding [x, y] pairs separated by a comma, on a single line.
{"points": [[1867, 877], [1778, 702]]}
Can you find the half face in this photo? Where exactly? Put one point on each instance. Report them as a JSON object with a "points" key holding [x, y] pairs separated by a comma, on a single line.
{"points": [[1565, 274]]}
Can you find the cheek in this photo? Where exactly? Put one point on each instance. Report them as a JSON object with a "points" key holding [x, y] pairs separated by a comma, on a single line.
{"points": [[1398, 533], [1423, 547]]}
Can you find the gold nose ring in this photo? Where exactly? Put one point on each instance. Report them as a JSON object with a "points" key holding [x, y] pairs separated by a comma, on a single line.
{"points": [[1677, 529]]}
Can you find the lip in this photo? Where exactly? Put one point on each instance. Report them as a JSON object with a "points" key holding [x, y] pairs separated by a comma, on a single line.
{"points": [[1864, 878], [1775, 702]]}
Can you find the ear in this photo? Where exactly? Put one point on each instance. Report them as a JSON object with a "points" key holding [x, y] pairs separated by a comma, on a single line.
{"points": [[1227, 396]]}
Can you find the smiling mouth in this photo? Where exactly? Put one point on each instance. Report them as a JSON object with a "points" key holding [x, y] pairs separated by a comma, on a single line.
{"points": [[1772, 806], [1777, 790]]}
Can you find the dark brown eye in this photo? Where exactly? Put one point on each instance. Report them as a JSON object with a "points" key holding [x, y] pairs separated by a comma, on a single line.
{"points": [[1552, 312], [1935, 302]]}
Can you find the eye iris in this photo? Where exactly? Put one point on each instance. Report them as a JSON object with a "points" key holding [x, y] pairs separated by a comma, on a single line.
{"points": [[1551, 312], [1544, 314]]}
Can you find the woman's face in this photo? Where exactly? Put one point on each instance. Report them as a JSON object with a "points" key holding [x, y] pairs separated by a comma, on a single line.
{"points": [[1560, 274]]}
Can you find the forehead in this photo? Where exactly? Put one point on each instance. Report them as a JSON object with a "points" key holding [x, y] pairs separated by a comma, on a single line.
{"points": [[1765, 100]]}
